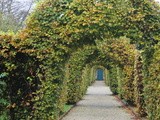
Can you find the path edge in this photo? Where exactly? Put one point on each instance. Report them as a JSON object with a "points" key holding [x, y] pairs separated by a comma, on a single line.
{"points": [[127, 107], [62, 116]]}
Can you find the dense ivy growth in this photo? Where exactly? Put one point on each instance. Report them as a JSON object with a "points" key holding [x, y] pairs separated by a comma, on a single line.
{"points": [[50, 62]]}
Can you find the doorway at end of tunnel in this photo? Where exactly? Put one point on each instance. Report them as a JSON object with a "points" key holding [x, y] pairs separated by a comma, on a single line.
{"points": [[99, 74]]}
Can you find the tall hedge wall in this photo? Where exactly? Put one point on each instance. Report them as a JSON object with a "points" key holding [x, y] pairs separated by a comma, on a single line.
{"points": [[152, 87], [77, 82], [32, 86], [54, 52], [138, 84], [18, 71]]}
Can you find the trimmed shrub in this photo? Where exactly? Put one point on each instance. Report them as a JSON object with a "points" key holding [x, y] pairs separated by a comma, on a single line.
{"points": [[77, 82], [121, 53], [113, 80], [21, 80], [86, 75], [138, 84], [46, 44], [152, 87], [4, 100], [54, 51], [127, 87]]}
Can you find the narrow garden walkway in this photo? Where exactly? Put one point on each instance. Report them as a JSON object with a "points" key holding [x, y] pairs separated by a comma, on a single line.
{"points": [[99, 104]]}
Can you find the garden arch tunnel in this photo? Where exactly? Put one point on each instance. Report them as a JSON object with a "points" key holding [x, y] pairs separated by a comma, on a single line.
{"points": [[84, 63], [54, 39], [99, 73]]}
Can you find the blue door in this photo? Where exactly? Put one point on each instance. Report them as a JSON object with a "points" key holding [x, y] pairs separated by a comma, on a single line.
{"points": [[99, 74]]}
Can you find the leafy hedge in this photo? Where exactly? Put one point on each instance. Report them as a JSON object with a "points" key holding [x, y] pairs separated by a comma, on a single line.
{"points": [[121, 53], [138, 84], [77, 65], [4, 100], [21, 80], [45, 44], [87, 76], [113, 80], [55, 52], [152, 87], [31, 86]]}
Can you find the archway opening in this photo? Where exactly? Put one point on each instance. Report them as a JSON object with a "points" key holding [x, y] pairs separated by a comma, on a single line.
{"points": [[99, 74]]}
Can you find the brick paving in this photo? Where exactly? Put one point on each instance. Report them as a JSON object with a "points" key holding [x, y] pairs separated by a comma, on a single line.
{"points": [[98, 104]]}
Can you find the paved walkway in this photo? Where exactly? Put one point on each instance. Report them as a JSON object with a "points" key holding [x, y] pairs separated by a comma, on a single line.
{"points": [[98, 104]]}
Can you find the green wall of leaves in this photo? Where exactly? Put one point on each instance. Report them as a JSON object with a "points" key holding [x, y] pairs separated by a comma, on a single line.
{"points": [[47, 64]]}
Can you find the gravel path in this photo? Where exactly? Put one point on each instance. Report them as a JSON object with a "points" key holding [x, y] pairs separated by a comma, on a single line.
{"points": [[98, 104]]}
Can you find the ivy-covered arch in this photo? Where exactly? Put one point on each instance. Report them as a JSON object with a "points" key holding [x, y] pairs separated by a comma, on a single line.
{"points": [[65, 39]]}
